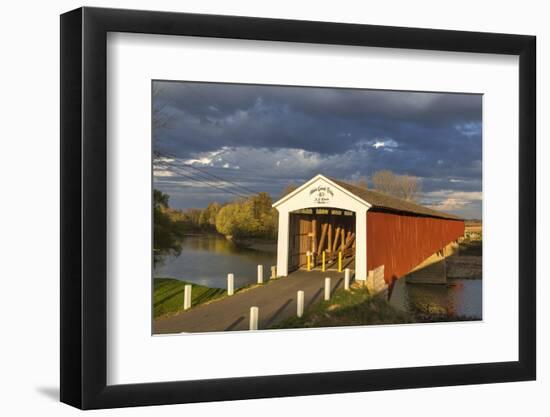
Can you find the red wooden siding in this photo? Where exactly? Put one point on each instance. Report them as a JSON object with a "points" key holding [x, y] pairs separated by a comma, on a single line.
{"points": [[400, 242]]}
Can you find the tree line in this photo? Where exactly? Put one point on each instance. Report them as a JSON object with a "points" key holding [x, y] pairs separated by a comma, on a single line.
{"points": [[252, 217]]}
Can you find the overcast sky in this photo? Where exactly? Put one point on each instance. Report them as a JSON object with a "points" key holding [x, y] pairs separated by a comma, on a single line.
{"points": [[221, 140]]}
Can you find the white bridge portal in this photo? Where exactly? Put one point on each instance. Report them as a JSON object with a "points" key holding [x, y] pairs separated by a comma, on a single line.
{"points": [[322, 193]]}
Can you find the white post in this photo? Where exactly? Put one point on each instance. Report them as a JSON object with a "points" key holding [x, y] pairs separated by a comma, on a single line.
{"points": [[273, 272], [187, 297], [361, 245], [346, 279], [300, 304], [260, 274], [254, 313], [327, 289], [230, 284], [282, 243]]}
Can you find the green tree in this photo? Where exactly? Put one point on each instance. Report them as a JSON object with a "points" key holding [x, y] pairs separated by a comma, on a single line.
{"points": [[207, 219], [265, 216], [230, 219], [168, 229], [251, 217], [160, 199]]}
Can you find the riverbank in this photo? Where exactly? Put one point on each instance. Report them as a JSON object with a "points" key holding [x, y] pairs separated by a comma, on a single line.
{"points": [[262, 245], [219, 312], [469, 263], [357, 307], [168, 295], [464, 267]]}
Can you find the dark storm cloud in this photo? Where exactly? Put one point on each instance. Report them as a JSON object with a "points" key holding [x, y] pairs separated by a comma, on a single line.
{"points": [[279, 134], [208, 116]]}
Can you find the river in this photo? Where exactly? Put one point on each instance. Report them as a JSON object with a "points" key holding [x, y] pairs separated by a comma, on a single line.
{"points": [[207, 259], [459, 297]]}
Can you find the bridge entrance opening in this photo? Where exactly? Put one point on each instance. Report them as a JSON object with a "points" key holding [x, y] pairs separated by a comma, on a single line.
{"points": [[321, 239]]}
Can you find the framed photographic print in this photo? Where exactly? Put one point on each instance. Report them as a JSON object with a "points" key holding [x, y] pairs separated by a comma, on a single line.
{"points": [[258, 207]]}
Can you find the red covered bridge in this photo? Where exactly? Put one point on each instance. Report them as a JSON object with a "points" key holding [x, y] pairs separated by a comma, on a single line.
{"points": [[329, 224]]}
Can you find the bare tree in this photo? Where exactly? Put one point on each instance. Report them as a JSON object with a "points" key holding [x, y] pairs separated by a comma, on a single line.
{"points": [[288, 189], [361, 182], [410, 187], [385, 181], [159, 117], [407, 187]]}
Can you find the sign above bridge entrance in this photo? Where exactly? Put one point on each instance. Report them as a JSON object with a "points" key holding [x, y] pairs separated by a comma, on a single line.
{"points": [[321, 194]]}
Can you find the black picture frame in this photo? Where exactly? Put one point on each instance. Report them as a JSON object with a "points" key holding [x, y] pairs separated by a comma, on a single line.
{"points": [[84, 207]]}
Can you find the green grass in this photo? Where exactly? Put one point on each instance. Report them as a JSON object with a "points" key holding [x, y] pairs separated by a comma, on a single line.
{"points": [[348, 308], [359, 308], [168, 295]]}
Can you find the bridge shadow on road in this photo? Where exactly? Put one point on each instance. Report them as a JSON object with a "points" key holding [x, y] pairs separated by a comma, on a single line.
{"points": [[277, 313], [234, 324], [276, 301]]}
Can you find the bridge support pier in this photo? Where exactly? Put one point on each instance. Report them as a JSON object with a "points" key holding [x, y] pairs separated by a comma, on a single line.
{"points": [[433, 270]]}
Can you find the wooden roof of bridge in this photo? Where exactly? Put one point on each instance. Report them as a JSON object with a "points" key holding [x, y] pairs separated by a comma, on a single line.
{"points": [[387, 202]]}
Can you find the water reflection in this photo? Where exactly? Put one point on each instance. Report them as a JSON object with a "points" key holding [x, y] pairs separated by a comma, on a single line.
{"points": [[207, 259], [460, 297]]}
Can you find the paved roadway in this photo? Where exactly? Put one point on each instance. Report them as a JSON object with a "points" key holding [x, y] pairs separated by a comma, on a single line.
{"points": [[276, 301]]}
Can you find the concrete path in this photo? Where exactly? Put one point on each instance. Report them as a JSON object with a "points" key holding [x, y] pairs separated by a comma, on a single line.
{"points": [[276, 301]]}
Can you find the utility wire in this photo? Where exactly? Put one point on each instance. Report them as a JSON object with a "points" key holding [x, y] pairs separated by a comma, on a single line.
{"points": [[182, 168], [201, 180], [205, 178], [239, 188], [242, 187]]}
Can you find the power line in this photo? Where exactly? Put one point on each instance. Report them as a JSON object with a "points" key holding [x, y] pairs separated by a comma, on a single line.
{"points": [[201, 180], [239, 176], [204, 177], [242, 187], [212, 185]]}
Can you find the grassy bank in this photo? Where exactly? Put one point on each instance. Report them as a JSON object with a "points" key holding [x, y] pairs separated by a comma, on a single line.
{"points": [[359, 308], [168, 295], [348, 308]]}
